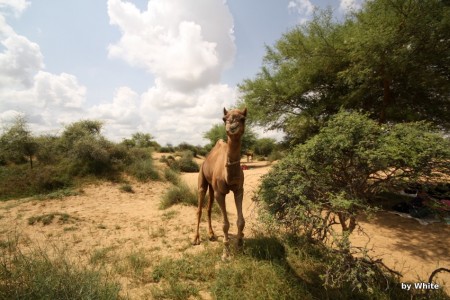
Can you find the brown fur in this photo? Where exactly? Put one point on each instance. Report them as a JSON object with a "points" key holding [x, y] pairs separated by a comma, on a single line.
{"points": [[221, 173]]}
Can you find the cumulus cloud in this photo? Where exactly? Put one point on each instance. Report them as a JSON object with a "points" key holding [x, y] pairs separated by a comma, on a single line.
{"points": [[14, 6], [304, 8], [47, 100], [350, 5], [186, 44]]}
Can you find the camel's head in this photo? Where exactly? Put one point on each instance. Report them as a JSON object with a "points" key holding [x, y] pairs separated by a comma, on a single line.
{"points": [[234, 122]]}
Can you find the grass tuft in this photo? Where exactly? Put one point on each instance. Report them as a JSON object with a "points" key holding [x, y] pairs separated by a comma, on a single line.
{"points": [[179, 194], [36, 276], [47, 219]]}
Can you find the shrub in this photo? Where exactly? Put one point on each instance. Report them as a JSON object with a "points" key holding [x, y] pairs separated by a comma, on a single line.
{"points": [[180, 193], [143, 170], [336, 174], [187, 164], [171, 176]]}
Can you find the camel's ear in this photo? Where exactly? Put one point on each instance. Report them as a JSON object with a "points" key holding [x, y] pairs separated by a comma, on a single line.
{"points": [[225, 111], [244, 112]]}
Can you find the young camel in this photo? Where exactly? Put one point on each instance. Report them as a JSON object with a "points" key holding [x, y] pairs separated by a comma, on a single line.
{"points": [[221, 172]]}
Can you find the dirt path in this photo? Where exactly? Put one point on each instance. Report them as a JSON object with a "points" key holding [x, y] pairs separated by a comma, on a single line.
{"points": [[104, 217]]}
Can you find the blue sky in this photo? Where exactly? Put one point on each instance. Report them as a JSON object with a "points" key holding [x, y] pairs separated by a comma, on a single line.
{"points": [[166, 67]]}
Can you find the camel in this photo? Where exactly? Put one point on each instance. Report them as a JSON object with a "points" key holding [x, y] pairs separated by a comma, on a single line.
{"points": [[249, 154], [221, 172]]}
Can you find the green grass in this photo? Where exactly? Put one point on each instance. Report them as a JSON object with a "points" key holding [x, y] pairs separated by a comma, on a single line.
{"points": [[127, 188], [37, 276], [268, 268], [47, 219], [101, 256], [169, 215]]}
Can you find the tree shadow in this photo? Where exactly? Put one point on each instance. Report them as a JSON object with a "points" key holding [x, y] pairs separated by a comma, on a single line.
{"points": [[428, 242]]}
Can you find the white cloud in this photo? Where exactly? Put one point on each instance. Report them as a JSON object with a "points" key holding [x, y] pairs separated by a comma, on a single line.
{"points": [[174, 117], [20, 60], [350, 5], [304, 8], [47, 100], [186, 44], [15, 6]]}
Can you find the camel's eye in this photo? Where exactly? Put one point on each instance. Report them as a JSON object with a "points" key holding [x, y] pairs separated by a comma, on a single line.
{"points": [[224, 119]]}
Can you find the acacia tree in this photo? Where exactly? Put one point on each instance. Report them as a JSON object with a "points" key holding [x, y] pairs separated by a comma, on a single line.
{"points": [[16, 143], [390, 60]]}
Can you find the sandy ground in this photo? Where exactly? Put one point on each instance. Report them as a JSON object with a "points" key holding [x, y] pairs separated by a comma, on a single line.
{"points": [[105, 217]]}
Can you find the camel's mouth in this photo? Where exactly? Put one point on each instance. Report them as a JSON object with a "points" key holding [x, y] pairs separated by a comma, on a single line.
{"points": [[233, 129]]}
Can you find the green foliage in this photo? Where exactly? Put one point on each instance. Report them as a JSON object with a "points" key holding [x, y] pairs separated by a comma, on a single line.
{"points": [[81, 151], [141, 140], [17, 145], [143, 170], [180, 193], [264, 146], [171, 176], [334, 175], [47, 219], [127, 188], [389, 60], [187, 164]]}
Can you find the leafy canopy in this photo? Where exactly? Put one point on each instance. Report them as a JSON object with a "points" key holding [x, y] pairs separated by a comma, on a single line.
{"points": [[390, 60]]}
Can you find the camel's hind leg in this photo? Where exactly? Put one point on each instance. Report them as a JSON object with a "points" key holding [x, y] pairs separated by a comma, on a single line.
{"points": [[202, 188], [212, 237], [220, 198]]}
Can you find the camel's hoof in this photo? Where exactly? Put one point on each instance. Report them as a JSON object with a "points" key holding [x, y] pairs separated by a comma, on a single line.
{"points": [[213, 238], [240, 245], [196, 242]]}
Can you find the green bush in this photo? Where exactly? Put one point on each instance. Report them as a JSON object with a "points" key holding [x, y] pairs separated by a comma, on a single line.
{"points": [[187, 164], [171, 176], [336, 174], [143, 170], [180, 193]]}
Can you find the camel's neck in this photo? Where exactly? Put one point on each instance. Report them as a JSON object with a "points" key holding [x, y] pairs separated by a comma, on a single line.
{"points": [[233, 150]]}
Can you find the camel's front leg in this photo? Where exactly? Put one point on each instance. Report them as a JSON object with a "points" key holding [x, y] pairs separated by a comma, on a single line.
{"points": [[220, 198], [238, 197], [201, 197]]}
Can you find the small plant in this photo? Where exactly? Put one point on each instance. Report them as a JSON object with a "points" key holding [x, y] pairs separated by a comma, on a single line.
{"points": [[127, 188], [169, 215], [187, 164], [143, 170], [47, 219], [100, 256], [179, 194], [171, 176]]}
